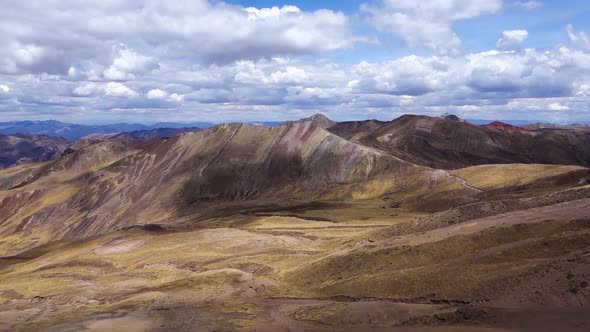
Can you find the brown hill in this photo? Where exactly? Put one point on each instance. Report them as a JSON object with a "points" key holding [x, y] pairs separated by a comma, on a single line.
{"points": [[441, 143], [23, 148], [292, 228], [155, 133], [505, 127], [319, 120], [550, 126], [111, 184]]}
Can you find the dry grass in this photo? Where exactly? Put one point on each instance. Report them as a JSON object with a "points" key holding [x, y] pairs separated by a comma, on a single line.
{"points": [[232, 268], [491, 177]]}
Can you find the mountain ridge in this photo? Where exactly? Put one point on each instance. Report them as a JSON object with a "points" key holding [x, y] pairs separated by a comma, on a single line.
{"points": [[446, 144], [25, 148], [292, 227]]}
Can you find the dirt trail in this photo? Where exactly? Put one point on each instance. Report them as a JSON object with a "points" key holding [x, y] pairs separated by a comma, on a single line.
{"points": [[118, 247], [462, 181], [572, 210]]}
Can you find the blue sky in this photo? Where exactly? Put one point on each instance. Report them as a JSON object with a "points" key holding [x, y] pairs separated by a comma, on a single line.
{"points": [[209, 60], [545, 24]]}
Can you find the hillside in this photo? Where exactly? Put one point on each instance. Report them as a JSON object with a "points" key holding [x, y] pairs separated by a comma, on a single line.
{"points": [[502, 126], [550, 126], [20, 148], [293, 228], [155, 133], [446, 144], [77, 131], [116, 185]]}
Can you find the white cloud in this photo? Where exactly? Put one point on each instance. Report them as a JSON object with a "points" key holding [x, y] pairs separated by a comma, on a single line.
{"points": [[290, 75], [150, 63], [157, 94], [528, 4], [579, 39], [87, 89], [557, 107], [484, 84], [126, 63], [512, 38], [53, 36], [176, 97], [113, 89], [72, 71], [314, 96], [117, 89], [584, 90], [411, 75], [4, 88], [428, 23]]}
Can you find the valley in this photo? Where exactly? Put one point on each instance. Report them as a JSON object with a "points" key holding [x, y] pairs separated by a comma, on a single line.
{"points": [[299, 227]]}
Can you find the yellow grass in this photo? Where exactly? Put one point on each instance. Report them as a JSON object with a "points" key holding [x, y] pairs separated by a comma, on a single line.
{"points": [[489, 177]]}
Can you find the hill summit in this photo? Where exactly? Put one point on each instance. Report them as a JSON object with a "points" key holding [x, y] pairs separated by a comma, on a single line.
{"points": [[319, 120], [451, 117]]}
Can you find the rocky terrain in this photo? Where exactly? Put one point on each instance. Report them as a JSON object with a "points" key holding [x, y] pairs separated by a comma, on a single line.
{"points": [[154, 133], [418, 224], [76, 131], [502, 126], [448, 144], [24, 148]]}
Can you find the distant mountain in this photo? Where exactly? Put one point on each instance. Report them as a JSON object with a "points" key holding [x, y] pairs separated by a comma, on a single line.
{"points": [[66, 130], [319, 120], [155, 133], [266, 123], [24, 148], [180, 125], [505, 127], [19, 148], [451, 117], [77, 131], [446, 144], [521, 123], [124, 182], [550, 126]]}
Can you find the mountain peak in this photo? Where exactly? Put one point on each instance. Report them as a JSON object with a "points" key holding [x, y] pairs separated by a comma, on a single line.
{"points": [[499, 125], [451, 117], [320, 120]]}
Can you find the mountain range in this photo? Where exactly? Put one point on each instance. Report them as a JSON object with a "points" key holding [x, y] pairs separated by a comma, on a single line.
{"points": [[26, 148], [77, 131], [449, 144], [419, 223]]}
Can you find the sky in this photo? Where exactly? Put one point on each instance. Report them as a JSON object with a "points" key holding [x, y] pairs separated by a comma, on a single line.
{"points": [[270, 60]]}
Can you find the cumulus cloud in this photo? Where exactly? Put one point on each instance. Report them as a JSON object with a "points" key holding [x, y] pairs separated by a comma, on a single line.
{"points": [[411, 75], [512, 38], [290, 75], [111, 61], [478, 78], [428, 23], [4, 93], [112, 89], [527, 4], [176, 97], [53, 36], [584, 90], [527, 80], [162, 95], [117, 89], [86, 90], [157, 94], [557, 107], [126, 63], [579, 39]]}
